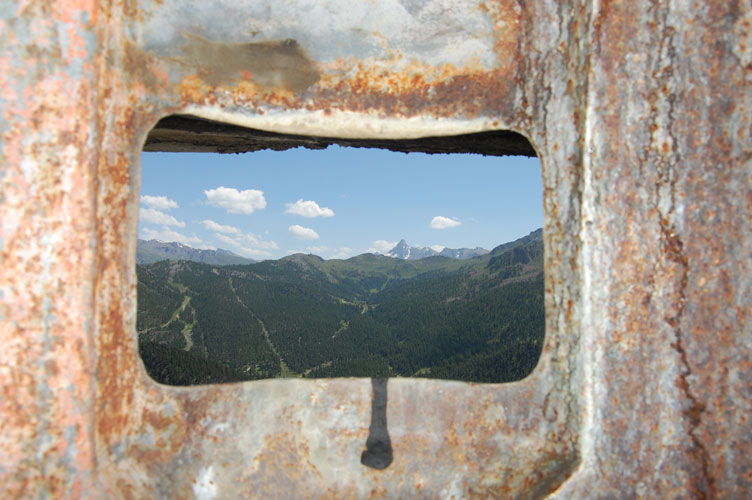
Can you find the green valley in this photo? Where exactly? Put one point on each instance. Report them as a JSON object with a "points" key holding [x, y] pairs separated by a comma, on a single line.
{"points": [[479, 319]]}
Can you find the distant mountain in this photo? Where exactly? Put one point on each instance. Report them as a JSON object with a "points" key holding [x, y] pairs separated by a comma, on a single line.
{"points": [[463, 253], [154, 251], [406, 252]]}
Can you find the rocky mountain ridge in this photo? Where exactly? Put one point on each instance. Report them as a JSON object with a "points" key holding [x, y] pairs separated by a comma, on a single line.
{"points": [[404, 251], [150, 251]]}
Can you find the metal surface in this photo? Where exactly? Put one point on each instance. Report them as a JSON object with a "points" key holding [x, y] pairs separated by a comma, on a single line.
{"points": [[641, 115]]}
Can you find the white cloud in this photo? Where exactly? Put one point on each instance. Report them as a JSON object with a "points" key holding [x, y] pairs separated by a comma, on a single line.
{"points": [[158, 202], [437, 248], [342, 253], [382, 246], [249, 242], [331, 253], [168, 235], [236, 202], [440, 222], [303, 233], [257, 242], [308, 209], [254, 253], [156, 217], [220, 228], [244, 250], [227, 239]]}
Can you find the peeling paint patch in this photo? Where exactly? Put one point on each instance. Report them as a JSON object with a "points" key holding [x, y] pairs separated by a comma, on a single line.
{"points": [[204, 487], [271, 64]]}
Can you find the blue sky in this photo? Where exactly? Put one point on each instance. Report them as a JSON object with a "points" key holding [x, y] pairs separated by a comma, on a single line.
{"points": [[337, 202]]}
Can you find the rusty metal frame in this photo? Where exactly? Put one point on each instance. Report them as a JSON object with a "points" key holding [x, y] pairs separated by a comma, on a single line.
{"points": [[640, 112]]}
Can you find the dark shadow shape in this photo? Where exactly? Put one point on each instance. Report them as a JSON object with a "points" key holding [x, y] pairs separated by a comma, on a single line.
{"points": [[185, 133], [378, 453]]}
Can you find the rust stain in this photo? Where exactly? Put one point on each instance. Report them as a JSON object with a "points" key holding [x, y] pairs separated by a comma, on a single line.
{"points": [[275, 73], [144, 67], [272, 64], [452, 91]]}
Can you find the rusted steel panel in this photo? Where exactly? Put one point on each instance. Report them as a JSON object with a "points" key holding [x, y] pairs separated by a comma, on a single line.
{"points": [[48, 137], [667, 213], [448, 438], [640, 115], [636, 266]]}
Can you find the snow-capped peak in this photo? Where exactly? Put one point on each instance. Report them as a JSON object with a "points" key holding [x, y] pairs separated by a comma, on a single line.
{"points": [[404, 251]]}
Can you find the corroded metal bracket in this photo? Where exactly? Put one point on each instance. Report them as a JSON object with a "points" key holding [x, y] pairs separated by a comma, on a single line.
{"points": [[640, 114]]}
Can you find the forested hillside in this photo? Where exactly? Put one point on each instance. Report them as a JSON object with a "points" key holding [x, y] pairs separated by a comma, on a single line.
{"points": [[480, 319]]}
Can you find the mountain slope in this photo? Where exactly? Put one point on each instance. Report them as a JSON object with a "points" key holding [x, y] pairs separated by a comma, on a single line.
{"points": [[534, 236], [477, 319]]}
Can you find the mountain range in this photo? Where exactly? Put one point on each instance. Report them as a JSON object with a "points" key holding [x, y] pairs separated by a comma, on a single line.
{"points": [[150, 251], [404, 251]]}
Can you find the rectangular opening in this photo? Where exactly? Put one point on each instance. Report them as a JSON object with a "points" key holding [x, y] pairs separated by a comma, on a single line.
{"points": [[339, 262]]}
